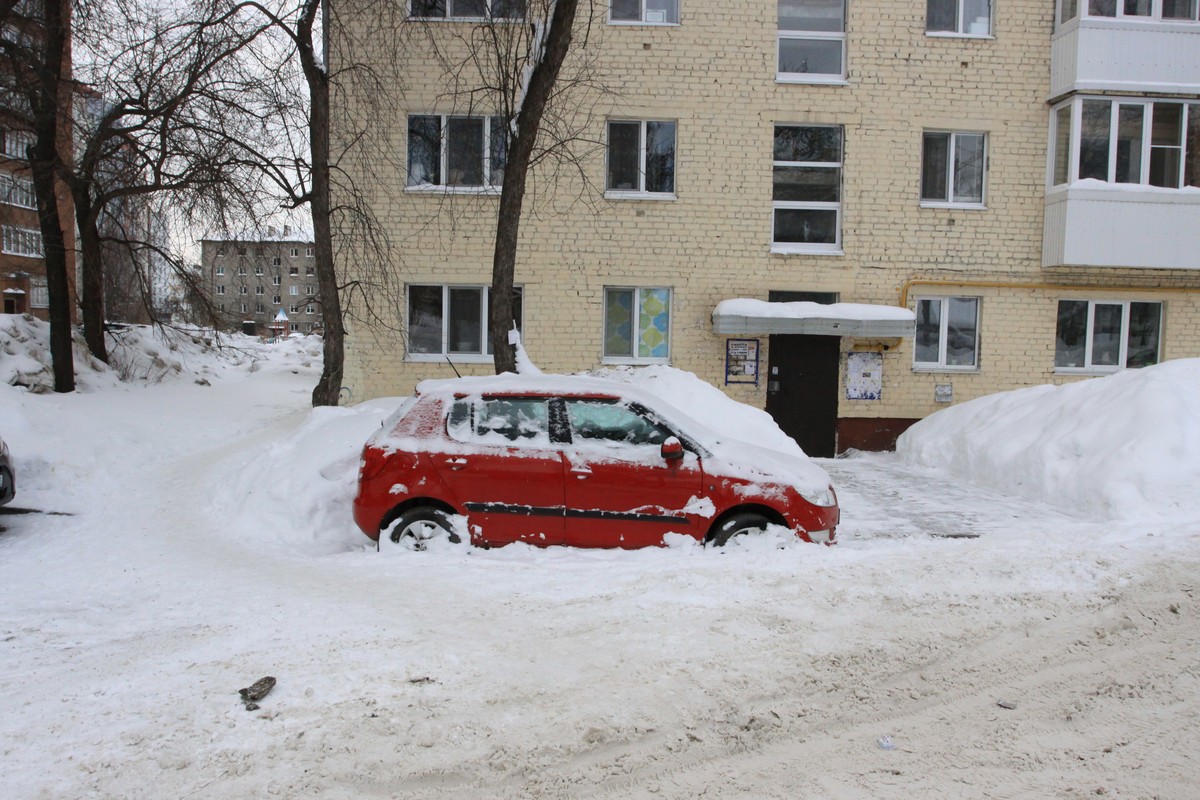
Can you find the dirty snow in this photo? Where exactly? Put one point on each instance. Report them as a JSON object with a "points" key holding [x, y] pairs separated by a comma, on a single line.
{"points": [[210, 545]]}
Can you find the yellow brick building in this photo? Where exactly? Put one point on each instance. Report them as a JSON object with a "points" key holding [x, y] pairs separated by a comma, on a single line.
{"points": [[950, 158]]}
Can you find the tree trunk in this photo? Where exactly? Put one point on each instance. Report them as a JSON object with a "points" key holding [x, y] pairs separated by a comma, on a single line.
{"points": [[329, 386], [53, 97], [91, 292], [512, 195]]}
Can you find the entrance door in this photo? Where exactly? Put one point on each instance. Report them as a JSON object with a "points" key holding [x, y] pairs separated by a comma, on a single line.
{"points": [[802, 382]]}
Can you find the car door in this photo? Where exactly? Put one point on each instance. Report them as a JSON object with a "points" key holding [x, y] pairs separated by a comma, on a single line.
{"points": [[506, 473], [620, 491]]}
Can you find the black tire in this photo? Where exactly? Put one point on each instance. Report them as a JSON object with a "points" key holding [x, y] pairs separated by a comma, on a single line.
{"points": [[740, 524], [415, 528]]}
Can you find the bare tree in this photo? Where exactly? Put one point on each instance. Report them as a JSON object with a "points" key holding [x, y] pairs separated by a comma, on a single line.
{"points": [[519, 70]]}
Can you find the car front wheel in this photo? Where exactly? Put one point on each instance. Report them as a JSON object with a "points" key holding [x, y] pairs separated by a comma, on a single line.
{"points": [[417, 528], [747, 522]]}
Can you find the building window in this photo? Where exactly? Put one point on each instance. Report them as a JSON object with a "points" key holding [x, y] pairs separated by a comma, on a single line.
{"points": [[259, 308], [812, 40], [220, 252], [637, 324], [17, 191], [1145, 142], [309, 271], [16, 144], [309, 252], [952, 168], [259, 290], [220, 273], [309, 290], [293, 290], [807, 189], [221, 290], [295, 308], [310, 309], [1166, 10], [242, 271], [649, 12], [947, 334], [451, 320], [1103, 336], [20, 241], [293, 270], [241, 251], [245, 308], [258, 270], [276, 280], [39, 293], [276, 261], [641, 158], [243, 290], [959, 17], [467, 9], [446, 152], [276, 299], [295, 252]]}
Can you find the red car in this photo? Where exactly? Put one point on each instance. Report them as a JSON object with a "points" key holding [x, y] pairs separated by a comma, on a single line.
{"points": [[587, 462]]}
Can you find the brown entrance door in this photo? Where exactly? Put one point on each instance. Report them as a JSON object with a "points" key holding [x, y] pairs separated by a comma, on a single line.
{"points": [[802, 383]]}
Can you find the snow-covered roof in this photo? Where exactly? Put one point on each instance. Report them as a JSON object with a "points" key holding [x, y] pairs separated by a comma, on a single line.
{"points": [[747, 315]]}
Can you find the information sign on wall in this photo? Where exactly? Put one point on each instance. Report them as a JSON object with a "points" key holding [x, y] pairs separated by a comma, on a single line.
{"points": [[864, 376], [741, 361]]}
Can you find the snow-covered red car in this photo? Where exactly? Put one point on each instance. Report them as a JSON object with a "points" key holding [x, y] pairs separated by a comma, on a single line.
{"points": [[572, 460], [8, 481]]}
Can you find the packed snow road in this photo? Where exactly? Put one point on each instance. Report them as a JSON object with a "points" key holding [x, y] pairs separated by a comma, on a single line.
{"points": [[956, 643]]}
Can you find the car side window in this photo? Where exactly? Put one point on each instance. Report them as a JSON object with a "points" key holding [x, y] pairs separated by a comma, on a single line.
{"points": [[613, 423], [500, 420]]}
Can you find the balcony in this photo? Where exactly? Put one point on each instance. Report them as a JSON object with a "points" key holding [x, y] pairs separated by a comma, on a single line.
{"points": [[1097, 54], [1091, 223]]}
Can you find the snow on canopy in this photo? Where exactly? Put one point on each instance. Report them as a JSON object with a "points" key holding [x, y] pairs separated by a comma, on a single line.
{"points": [[803, 309]]}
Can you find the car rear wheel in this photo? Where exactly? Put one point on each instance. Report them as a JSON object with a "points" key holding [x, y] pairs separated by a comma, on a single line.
{"points": [[417, 528], [747, 522]]}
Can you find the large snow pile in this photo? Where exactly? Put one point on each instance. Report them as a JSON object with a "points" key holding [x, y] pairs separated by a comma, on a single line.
{"points": [[138, 354], [1125, 446]]}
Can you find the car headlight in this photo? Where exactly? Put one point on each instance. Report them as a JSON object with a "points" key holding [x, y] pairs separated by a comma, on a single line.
{"points": [[822, 497]]}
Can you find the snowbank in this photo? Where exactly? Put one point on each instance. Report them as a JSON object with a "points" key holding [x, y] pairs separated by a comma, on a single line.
{"points": [[1125, 446]]}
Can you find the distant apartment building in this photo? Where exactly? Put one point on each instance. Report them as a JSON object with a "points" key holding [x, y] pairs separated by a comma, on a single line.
{"points": [[848, 213], [22, 254], [253, 277]]}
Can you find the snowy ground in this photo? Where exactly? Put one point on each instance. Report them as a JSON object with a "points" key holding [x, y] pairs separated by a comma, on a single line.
{"points": [[209, 543]]}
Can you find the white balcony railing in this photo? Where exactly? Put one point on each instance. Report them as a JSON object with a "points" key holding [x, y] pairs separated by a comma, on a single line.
{"points": [[1091, 223], [1153, 57]]}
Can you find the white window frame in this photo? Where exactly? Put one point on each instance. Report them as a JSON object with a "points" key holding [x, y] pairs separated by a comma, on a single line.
{"points": [[309, 252], [243, 289], [221, 289], [276, 280], [1190, 113], [635, 329], [16, 143], [39, 293], [1082, 9], [783, 35], [17, 191], [220, 273], [295, 308], [310, 309], [640, 193], [961, 24], [21, 241], [834, 248], [951, 157], [295, 252], [450, 16], [245, 307], [942, 365], [1088, 367], [260, 308], [293, 290], [483, 357], [487, 187], [276, 299], [646, 16]]}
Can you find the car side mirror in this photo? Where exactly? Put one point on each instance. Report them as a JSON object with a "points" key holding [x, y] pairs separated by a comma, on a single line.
{"points": [[672, 449]]}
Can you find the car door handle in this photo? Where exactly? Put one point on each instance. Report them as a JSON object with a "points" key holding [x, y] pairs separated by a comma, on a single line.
{"points": [[456, 463], [582, 473]]}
